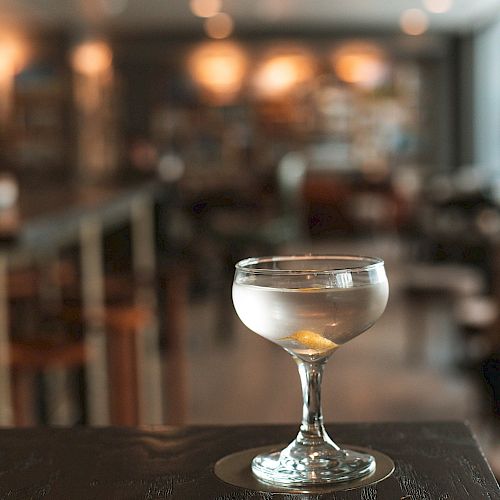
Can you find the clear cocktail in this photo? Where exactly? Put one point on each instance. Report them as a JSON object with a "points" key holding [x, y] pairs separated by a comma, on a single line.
{"points": [[310, 306]]}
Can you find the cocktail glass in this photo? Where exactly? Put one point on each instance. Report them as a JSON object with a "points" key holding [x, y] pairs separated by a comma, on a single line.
{"points": [[310, 305]]}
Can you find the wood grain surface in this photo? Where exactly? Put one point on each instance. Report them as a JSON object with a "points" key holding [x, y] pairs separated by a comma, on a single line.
{"points": [[434, 461]]}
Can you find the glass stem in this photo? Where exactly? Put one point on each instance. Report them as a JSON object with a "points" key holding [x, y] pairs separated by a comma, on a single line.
{"points": [[312, 431]]}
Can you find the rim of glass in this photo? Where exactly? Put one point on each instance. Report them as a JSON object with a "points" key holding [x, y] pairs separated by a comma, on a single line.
{"points": [[368, 264]]}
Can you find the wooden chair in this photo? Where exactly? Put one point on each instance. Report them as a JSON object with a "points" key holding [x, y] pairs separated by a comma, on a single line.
{"points": [[34, 353], [123, 323]]}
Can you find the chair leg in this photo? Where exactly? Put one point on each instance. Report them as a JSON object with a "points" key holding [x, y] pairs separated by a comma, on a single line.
{"points": [[80, 385], [175, 366], [23, 397], [124, 401]]}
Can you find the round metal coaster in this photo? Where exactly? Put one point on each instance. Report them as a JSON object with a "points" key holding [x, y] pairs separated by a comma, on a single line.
{"points": [[236, 469]]}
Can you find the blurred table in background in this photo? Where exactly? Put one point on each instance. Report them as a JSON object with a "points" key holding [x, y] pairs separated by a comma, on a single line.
{"points": [[433, 460]]}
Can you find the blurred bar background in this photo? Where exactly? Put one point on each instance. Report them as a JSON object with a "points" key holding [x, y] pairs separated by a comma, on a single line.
{"points": [[147, 145]]}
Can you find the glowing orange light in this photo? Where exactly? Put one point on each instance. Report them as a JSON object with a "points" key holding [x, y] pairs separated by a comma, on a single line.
{"points": [[361, 64], [279, 74], [6, 63], [205, 8], [218, 68], [438, 6], [13, 54], [92, 58], [414, 22], [219, 26], [13, 57]]}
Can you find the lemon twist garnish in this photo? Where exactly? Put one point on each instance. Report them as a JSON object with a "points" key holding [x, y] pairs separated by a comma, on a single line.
{"points": [[312, 340]]}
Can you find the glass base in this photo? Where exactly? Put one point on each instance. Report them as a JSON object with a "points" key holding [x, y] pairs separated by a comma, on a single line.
{"points": [[234, 469], [287, 467]]}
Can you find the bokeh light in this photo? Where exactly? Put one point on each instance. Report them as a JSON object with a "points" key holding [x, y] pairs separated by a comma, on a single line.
{"points": [[205, 8], [362, 64], [219, 69], [91, 58], [219, 26], [278, 74], [13, 53], [438, 6], [414, 22]]}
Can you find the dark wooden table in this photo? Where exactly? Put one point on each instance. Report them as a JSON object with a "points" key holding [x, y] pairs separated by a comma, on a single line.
{"points": [[434, 461]]}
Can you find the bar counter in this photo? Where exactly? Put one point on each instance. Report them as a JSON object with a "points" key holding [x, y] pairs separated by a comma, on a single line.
{"points": [[433, 461]]}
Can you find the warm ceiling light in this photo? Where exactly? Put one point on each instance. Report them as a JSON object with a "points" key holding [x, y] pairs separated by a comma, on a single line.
{"points": [[91, 58], [438, 6], [13, 54], [218, 68], [362, 64], [205, 8], [219, 26], [281, 73], [414, 22]]}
